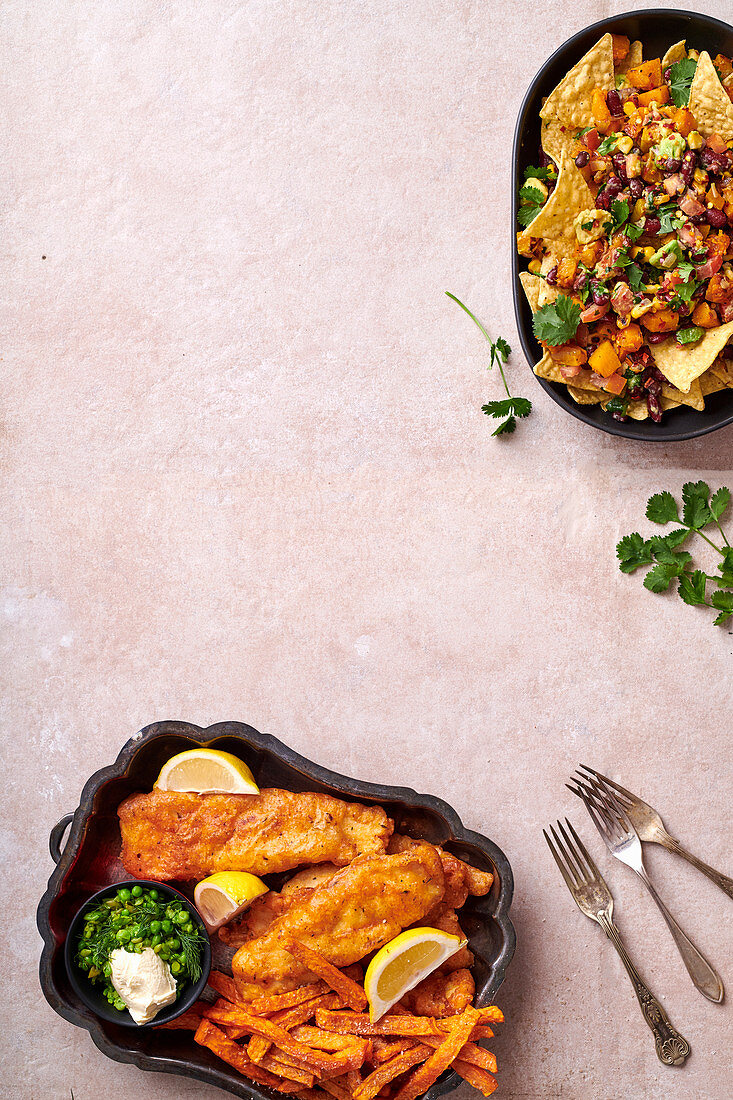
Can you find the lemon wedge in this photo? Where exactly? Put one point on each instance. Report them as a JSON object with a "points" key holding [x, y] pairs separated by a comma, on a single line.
{"points": [[222, 896], [206, 771], [404, 962]]}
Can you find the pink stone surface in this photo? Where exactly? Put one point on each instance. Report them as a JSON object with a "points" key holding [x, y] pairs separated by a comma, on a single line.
{"points": [[245, 475]]}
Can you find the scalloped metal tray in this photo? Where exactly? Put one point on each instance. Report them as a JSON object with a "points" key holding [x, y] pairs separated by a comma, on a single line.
{"points": [[90, 860]]}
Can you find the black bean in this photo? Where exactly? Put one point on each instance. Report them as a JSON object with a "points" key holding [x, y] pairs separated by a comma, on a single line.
{"points": [[582, 158], [614, 185], [654, 407], [667, 75], [673, 164], [603, 200], [580, 281], [687, 172], [652, 225], [636, 189], [599, 294], [699, 219], [552, 275], [656, 337]]}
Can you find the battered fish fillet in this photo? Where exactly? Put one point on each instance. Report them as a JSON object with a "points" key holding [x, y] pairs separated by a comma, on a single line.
{"points": [[166, 835], [354, 912]]}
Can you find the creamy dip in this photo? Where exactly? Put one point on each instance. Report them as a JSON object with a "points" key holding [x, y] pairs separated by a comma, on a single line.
{"points": [[144, 982]]}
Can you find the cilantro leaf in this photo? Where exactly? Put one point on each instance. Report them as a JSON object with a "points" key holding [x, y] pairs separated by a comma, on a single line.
{"points": [[725, 579], [689, 335], [557, 322], [633, 551], [633, 232], [619, 213], [686, 269], [635, 276], [529, 211], [539, 173], [696, 513], [692, 587], [531, 194], [718, 504], [662, 508], [722, 602], [502, 348], [607, 145], [660, 576], [507, 427], [672, 540], [667, 556], [680, 81]]}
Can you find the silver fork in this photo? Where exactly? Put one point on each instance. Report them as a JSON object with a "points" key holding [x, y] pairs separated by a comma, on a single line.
{"points": [[650, 827], [622, 841], [594, 899]]}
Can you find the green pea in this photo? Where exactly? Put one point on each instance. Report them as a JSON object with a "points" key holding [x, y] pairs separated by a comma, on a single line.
{"points": [[88, 933], [158, 948], [153, 895], [173, 943], [156, 941], [164, 953], [123, 936], [175, 967], [124, 894], [166, 926], [188, 927], [137, 891], [182, 917], [155, 926]]}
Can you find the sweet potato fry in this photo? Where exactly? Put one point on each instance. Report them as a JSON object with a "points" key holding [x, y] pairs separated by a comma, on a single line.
{"points": [[353, 1080], [440, 1059], [188, 1020], [384, 1049], [257, 1025], [481, 1079], [381, 1076], [337, 1088], [225, 986], [292, 1017], [356, 1023], [266, 1006], [491, 1014], [329, 1040], [475, 1056], [350, 993], [207, 1035], [290, 1073], [257, 1048]]}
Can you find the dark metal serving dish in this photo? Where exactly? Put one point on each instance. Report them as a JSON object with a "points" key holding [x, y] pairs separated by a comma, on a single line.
{"points": [[657, 28], [90, 860]]}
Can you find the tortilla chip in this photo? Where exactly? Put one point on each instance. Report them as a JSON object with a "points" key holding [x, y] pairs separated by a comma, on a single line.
{"points": [[709, 101], [570, 101], [674, 53], [584, 397], [634, 57], [667, 403], [555, 220], [710, 383], [636, 410], [548, 293], [531, 286], [549, 369], [723, 369], [682, 365], [557, 138]]}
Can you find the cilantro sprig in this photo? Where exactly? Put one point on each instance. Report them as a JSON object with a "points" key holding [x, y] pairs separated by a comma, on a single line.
{"points": [[668, 563], [532, 201], [680, 81], [509, 408], [557, 322]]}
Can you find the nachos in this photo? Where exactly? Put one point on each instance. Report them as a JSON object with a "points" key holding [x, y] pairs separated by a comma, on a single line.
{"points": [[627, 224]]}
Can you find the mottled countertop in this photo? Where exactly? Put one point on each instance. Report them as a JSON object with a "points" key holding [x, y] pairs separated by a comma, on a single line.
{"points": [[245, 475]]}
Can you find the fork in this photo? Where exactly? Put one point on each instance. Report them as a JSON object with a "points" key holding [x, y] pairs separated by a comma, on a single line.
{"points": [[622, 841], [594, 899], [650, 827]]}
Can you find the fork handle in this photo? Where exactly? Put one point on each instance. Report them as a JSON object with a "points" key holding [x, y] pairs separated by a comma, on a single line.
{"points": [[704, 977], [723, 881], [672, 1048]]}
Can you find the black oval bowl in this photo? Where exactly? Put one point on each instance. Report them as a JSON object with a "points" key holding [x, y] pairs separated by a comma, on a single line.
{"points": [[92, 995], [90, 860], [657, 28]]}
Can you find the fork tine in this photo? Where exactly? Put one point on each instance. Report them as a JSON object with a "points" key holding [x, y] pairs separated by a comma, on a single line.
{"points": [[584, 850], [590, 791], [572, 869], [583, 870], [598, 819], [613, 804], [612, 811], [568, 882], [630, 798]]}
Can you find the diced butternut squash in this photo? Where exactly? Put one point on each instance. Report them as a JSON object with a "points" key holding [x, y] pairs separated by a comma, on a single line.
{"points": [[655, 95], [705, 316], [714, 197], [629, 339], [569, 356], [600, 111], [621, 46], [720, 288], [721, 63], [566, 271], [685, 121], [615, 384], [664, 320], [592, 253], [604, 359], [717, 143], [718, 244], [646, 76]]}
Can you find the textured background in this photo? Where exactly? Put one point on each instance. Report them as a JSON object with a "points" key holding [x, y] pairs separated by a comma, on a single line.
{"points": [[245, 475]]}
